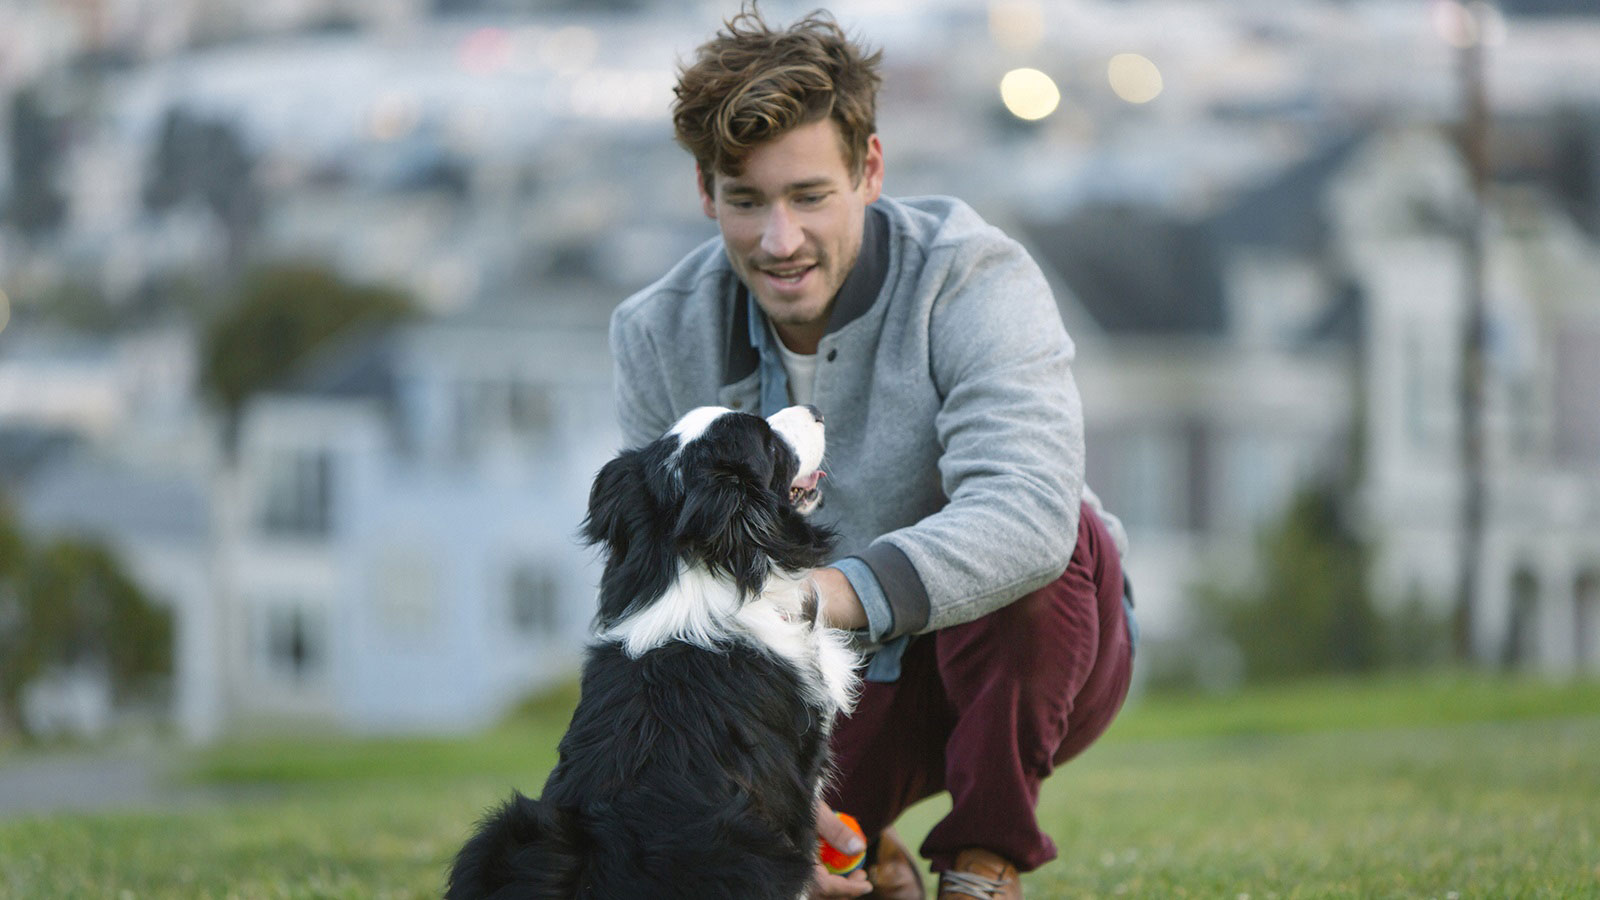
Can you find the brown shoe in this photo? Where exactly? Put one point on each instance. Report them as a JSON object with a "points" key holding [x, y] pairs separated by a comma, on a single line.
{"points": [[894, 875], [981, 874]]}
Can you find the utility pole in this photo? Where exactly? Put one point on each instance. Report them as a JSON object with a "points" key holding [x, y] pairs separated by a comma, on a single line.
{"points": [[1474, 140]]}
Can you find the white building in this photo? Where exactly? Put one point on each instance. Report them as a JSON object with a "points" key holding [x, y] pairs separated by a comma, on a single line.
{"points": [[392, 545], [1397, 207], [399, 546], [1211, 393], [1226, 360]]}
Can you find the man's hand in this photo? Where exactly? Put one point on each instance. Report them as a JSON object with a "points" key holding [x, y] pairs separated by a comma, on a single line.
{"points": [[826, 885], [837, 603]]}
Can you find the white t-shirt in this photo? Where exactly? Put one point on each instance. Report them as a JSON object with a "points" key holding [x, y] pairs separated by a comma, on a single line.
{"points": [[802, 370]]}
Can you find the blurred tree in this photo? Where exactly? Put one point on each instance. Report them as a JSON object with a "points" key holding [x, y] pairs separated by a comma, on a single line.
{"points": [[1416, 635], [88, 611], [15, 666], [71, 604], [1309, 610], [282, 315], [77, 303], [37, 205]]}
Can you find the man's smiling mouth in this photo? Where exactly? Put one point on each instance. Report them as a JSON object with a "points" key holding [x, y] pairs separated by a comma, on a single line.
{"points": [[788, 274]]}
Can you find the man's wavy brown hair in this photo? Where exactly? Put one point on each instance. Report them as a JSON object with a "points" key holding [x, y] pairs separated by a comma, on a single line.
{"points": [[751, 84]]}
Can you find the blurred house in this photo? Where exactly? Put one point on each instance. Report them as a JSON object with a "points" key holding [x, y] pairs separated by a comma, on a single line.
{"points": [[1308, 329], [1213, 388], [1397, 211], [392, 546], [158, 525], [398, 544]]}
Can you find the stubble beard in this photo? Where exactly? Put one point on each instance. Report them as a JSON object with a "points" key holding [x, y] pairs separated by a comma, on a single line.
{"points": [[782, 312]]}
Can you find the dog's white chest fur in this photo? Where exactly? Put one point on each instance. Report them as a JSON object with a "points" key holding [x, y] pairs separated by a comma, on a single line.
{"points": [[704, 610]]}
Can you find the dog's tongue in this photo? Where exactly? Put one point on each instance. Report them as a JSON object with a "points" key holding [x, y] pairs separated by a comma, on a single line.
{"points": [[810, 481]]}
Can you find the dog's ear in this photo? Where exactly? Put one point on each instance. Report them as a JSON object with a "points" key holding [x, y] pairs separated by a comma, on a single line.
{"points": [[623, 519], [617, 495], [713, 503], [727, 522]]}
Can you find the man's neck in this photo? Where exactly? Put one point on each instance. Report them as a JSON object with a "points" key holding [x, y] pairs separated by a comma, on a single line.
{"points": [[801, 338]]}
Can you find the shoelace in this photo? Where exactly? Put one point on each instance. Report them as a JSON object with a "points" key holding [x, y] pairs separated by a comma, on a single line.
{"points": [[971, 885]]}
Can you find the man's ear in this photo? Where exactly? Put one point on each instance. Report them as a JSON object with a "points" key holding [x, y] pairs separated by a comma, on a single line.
{"points": [[708, 203], [872, 170]]}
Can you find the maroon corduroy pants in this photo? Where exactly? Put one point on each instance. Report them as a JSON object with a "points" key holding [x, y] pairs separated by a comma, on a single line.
{"points": [[987, 709]]}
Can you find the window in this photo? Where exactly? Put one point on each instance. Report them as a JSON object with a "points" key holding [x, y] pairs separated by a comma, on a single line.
{"points": [[1524, 409], [534, 602], [293, 642], [1521, 646], [1197, 441], [1586, 620], [1136, 469], [407, 599], [531, 413], [1415, 402], [298, 493], [1576, 415], [490, 409]]}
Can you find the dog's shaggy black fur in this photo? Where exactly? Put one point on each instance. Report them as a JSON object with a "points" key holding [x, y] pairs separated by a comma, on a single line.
{"points": [[695, 757]]}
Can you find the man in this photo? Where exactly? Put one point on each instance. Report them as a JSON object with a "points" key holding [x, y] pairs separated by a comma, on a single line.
{"points": [[977, 565]]}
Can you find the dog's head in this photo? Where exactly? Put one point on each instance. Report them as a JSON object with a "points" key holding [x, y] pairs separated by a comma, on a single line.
{"points": [[725, 490]]}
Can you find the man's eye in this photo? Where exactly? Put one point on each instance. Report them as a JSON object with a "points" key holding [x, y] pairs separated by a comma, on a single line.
{"points": [[810, 199]]}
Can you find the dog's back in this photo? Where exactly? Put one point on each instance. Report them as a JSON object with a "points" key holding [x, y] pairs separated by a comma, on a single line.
{"points": [[685, 773]]}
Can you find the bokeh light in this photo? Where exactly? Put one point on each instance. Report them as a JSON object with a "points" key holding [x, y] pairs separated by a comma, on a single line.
{"points": [[622, 93], [571, 49], [486, 51], [1463, 25], [1016, 25], [394, 116], [1029, 94], [1134, 78]]}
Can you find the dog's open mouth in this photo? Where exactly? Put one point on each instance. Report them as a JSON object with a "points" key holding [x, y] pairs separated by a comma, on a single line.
{"points": [[804, 493]]}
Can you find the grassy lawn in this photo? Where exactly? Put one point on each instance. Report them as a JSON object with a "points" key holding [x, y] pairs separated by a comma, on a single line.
{"points": [[1428, 788]]}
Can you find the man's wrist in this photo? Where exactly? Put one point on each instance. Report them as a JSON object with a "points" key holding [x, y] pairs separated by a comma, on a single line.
{"points": [[880, 616], [838, 604]]}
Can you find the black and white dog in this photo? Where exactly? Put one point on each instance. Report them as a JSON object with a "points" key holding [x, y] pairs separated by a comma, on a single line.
{"points": [[698, 750]]}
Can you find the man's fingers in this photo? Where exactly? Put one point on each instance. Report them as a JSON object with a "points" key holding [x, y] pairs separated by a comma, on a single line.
{"points": [[828, 886], [837, 833]]}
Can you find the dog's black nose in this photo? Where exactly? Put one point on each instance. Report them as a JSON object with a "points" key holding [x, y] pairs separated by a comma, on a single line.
{"points": [[816, 414]]}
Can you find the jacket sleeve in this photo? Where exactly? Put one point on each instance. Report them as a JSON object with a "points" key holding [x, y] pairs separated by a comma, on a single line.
{"points": [[1010, 427], [644, 409]]}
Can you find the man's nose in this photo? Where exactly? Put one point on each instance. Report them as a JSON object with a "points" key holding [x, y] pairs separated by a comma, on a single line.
{"points": [[782, 236]]}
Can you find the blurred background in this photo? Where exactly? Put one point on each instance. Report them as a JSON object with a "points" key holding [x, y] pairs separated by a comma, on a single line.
{"points": [[304, 374]]}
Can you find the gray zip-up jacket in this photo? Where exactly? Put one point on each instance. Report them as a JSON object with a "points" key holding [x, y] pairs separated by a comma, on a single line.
{"points": [[955, 453]]}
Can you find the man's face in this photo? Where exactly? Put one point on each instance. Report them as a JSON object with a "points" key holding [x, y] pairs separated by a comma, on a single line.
{"points": [[791, 223]]}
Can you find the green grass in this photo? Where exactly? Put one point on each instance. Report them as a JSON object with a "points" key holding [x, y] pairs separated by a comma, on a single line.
{"points": [[1423, 788]]}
